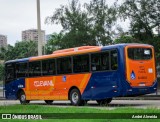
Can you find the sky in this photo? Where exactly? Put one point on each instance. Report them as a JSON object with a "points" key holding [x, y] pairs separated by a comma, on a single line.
{"points": [[19, 15]]}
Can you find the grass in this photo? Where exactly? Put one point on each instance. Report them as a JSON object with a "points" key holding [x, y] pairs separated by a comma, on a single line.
{"points": [[78, 111], [74, 109]]}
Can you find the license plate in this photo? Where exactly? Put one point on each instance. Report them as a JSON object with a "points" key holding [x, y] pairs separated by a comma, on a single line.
{"points": [[142, 84]]}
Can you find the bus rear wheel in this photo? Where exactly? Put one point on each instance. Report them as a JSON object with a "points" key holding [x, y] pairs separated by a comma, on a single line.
{"points": [[22, 98], [104, 101], [49, 102], [75, 97]]}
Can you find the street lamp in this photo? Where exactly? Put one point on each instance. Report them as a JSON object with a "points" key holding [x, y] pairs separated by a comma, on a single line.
{"points": [[39, 29]]}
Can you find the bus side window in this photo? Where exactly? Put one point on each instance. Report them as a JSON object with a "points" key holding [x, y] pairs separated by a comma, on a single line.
{"points": [[105, 61], [81, 63], [95, 62], [64, 65], [76, 64], [48, 67], [21, 70], [114, 60], [85, 63], [52, 68], [10, 72], [35, 68], [45, 67]]}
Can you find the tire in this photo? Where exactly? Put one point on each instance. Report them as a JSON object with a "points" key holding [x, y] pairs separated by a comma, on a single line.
{"points": [[75, 98], [22, 98], [49, 102], [85, 102], [109, 100], [104, 101]]}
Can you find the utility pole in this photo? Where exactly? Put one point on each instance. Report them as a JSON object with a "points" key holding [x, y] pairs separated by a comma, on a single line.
{"points": [[39, 29]]}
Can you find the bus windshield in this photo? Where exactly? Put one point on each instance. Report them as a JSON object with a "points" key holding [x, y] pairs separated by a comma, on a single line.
{"points": [[139, 53]]}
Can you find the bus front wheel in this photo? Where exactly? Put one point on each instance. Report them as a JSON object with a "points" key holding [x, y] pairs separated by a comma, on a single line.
{"points": [[49, 102], [104, 101], [22, 98], [75, 97]]}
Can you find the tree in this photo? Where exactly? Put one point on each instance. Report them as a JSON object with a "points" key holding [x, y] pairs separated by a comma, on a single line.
{"points": [[6, 52], [1, 72], [103, 20], [125, 39], [144, 16], [156, 43], [21, 49], [25, 49], [75, 23], [90, 24], [54, 43]]}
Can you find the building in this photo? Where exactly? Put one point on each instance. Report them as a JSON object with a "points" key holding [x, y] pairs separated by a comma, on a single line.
{"points": [[3, 41], [32, 35]]}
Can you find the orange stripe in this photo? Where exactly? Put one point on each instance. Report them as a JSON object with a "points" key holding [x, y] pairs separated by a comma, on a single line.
{"points": [[27, 84], [83, 81], [65, 54]]}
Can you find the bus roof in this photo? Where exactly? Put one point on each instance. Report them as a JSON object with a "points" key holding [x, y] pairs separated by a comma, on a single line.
{"points": [[68, 52], [123, 45], [75, 51], [18, 60]]}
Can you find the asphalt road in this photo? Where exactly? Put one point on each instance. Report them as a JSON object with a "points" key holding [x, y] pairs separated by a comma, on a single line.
{"points": [[93, 104]]}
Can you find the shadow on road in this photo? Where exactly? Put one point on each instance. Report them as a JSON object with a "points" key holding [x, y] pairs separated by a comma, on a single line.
{"points": [[90, 105]]}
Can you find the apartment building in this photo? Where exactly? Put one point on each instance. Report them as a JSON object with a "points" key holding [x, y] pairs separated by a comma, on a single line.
{"points": [[32, 35], [3, 41]]}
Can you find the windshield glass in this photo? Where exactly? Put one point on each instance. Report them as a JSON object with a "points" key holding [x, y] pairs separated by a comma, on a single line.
{"points": [[139, 53]]}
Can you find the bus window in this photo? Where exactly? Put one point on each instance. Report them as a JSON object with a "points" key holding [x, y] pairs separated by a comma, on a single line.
{"points": [[64, 65], [48, 67], [105, 61], [81, 63], [139, 53], [35, 68], [10, 72], [95, 62], [100, 61], [114, 60], [21, 70]]}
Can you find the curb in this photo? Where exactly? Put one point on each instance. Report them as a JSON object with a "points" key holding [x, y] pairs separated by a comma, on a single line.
{"points": [[145, 97], [137, 98]]}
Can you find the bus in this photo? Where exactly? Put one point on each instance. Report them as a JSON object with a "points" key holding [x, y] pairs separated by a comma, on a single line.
{"points": [[85, 73]]}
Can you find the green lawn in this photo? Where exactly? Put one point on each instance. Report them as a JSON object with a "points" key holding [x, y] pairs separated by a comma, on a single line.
{"points": [[74, 109], [79, 112]]}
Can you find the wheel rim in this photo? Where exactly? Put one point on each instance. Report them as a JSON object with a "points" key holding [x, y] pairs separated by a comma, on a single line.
{"points": [[75, 97], [23, 97]]}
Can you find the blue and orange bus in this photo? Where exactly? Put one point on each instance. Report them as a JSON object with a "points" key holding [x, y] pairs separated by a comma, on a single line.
{"points": [[83, 73]]}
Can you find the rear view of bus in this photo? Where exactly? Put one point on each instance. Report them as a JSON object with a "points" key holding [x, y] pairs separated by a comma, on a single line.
{"points": [[140, 69]]}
